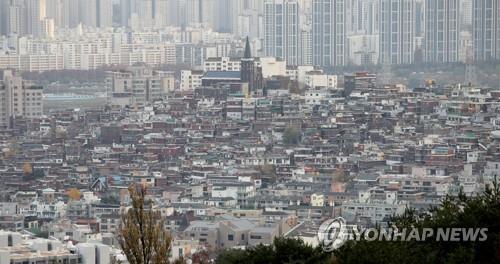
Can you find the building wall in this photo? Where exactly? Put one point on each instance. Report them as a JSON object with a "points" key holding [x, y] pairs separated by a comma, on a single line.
{"points": [[281, 30], [19, 99], [486, 30], [397, 31], [442, 30], [329, 32], [230, 237]]}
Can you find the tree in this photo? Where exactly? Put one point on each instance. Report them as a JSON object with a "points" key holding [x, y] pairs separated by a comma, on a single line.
{"points": [[142, 235], [201, 257], [111, 199], [482, 211], [74, 194], [268, 171], [27, 169], [291, 136], [282, 250]]}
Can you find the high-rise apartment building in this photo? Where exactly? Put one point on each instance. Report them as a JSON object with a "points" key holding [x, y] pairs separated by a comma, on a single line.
{"points": [[4, 8], [183, 13], [441, 30], [16, 24], [281, 30], [160, 13], [55, 10], [36, 11], [29, 17], [23, 17], [71, 13], [104, 16], [397, 31], [88, 12], [486, 30], [18, 98], [224, 15], [306, 41], [361, 16], [369, 17], [329, 32], [466, 12]]}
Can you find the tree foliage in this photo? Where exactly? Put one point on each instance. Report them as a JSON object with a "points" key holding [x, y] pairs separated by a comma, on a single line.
{"points": [[283, 250], [74, 194], [201, 257], [142, 235], [268, 171], [110, 199], [482, 211], [27, 168], [291, 136]]}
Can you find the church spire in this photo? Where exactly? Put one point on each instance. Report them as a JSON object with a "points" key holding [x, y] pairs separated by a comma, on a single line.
{"points": [[248, 52]]}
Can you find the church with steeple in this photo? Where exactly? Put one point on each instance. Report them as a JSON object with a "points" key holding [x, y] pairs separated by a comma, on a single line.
{"points": [[251, 73], [245, 71]]}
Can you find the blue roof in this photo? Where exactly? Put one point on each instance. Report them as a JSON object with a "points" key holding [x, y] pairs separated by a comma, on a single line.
{"points": [[223, 75]]}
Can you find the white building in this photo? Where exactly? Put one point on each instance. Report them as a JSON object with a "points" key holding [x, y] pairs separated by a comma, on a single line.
{"points": [[18, 98], [239, 191], [491, 172], [316, 96], [370, 205], [17, 248], [138, 86], [190, 79], [91, 253], [298, 73], [318, 79], [222, 64], [46, 210], [272, 66]]}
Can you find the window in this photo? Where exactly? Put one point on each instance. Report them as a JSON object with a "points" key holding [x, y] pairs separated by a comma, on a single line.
{"points": [[242, 236], [230, 237]]}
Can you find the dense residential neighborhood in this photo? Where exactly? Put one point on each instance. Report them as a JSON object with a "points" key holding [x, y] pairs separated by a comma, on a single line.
{"points": [[220, 131], [233, 165]]}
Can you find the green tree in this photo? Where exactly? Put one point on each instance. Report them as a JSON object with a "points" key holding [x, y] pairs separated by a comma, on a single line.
{"points": [[482, 211], [111, 199], [291, 136], [282, 250]]}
